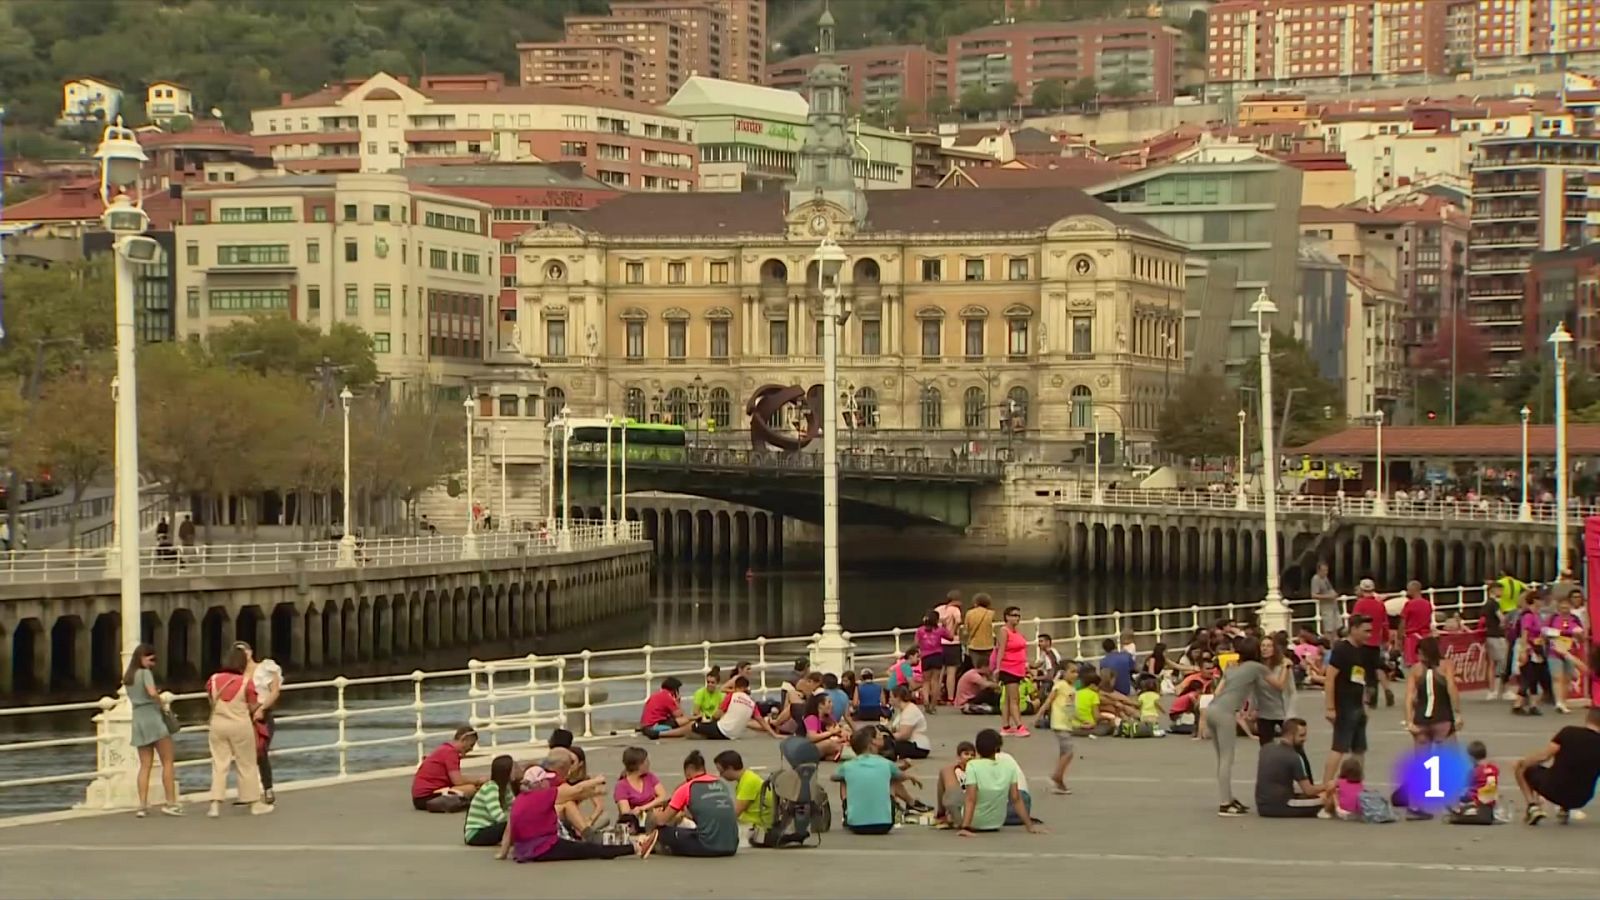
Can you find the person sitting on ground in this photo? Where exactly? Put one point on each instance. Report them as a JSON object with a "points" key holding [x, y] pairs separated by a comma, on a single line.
{"points": [[1115, 702], [1568, 781], [740, 715], [707, 700], [1194, 692], [1480, 803], [868, 783], [829, 737], [977, 694], [840, 697], [1021, 781], [906, 670], [909, 726], [1284, 789], [705, 801], [991, 787], [1343, 801], [1120, 664], [847, 685], [662, 716], [868, 699], [486, 815], [1088, 719], [753, 810], [790, 716], [1028, 697], [587, 815], [439, 786], [950, 794], [533, 833], [802, 667], [638, 791], [560, 739], [1149, 700]]}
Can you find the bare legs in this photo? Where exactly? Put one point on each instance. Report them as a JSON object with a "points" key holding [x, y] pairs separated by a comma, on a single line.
{"points": [[169, 779]]}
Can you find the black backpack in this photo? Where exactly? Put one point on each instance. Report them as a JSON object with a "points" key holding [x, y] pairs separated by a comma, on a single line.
{"points": [[800, 808]]}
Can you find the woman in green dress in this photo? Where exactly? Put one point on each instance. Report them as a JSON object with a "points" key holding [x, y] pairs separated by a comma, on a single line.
{"points": [[150, 734]]}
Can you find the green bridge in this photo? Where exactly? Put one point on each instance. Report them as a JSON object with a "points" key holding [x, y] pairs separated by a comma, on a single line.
{"points": [[874, 489]]}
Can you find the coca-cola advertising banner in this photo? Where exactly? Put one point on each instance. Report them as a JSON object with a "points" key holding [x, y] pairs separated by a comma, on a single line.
{"points": [[1591, 584], [1468, 652]]}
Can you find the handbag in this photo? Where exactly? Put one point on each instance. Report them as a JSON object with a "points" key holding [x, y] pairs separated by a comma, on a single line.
{"points": [[171, 720]]}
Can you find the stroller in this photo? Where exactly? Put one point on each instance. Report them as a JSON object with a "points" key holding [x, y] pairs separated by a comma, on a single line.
{"points": [[799, 801]]}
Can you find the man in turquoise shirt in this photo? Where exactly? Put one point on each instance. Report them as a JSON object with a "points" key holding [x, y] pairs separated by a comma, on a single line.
{"points": [[868, 784], [991, 786]]}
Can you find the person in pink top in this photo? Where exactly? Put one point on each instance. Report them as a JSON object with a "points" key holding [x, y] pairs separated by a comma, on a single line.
{"points": [[1011, 666], [1416, 620], [950, 616], [931, 638], [1565, 634]]}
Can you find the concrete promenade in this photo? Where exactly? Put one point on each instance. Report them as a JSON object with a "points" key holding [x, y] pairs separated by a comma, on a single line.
{"points": [[1141, 822]]}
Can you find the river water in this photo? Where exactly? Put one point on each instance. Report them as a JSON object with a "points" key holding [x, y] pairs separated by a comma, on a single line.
{"points": [[687, 605]]}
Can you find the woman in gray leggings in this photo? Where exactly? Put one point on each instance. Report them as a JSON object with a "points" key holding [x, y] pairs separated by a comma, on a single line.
{"points": [[1239, 681]]}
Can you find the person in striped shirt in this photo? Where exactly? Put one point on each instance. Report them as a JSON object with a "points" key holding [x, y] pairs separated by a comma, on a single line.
{"points": [[486, 817]]}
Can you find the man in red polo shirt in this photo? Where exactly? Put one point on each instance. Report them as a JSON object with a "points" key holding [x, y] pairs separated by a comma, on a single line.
{"points": [[1369, 604], [439, 785]]}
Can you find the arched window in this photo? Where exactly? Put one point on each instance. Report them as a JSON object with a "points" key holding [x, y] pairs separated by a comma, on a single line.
{"points": [[633, 404], [677, 406], [773, 271], [866, 408], [973, 405], [555, 400], [1082, 407], [866, 271], [1017, 407], [932, 409], [721, 408]]}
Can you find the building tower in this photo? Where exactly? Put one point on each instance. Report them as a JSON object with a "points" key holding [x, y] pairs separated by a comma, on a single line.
{"points": [[825, 169]]}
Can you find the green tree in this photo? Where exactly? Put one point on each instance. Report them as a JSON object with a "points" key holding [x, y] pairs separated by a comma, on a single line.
{"points": [[1005, 96], [1317, 404], [1124, 87], [939, 105], [1082, 92], [414, 444], [1049, 94], [68, 309], [975, 99], [1200, 419], [68, 433], [278, 344]]}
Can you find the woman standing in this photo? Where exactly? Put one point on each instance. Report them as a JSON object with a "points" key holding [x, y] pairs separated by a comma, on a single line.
{"points": [[1433, 703], [150, 734], [267, 676], [233, 734], [1276, 696], [1243, 678], [1566, 647], [1011, 664], [931, 639]]}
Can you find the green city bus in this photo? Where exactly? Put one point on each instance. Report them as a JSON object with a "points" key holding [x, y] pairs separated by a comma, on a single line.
{"points": [[645, 440]]}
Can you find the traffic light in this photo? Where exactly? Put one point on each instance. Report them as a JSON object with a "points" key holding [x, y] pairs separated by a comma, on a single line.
{"points": [[1432, 415]]}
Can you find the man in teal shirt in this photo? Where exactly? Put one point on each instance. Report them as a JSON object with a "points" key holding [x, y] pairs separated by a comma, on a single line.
{"points": [[991, 786], [868, 784]]}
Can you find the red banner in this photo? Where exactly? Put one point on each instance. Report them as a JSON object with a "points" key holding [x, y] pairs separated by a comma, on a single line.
{"points": [[1470, 656], [1591, 584]]}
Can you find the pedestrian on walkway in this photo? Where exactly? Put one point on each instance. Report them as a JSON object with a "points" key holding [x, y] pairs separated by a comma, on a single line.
{"points": [[151, 737], [978, 627], [267, 676], [1244, 679], [1011, 664], [950, 619], [232, 734], [1327, 600], [1347, 675]]}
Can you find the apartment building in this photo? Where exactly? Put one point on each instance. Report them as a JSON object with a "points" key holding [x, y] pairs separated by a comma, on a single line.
{"points": [[1524, 35], [1140, 51], [1529, 194], [662, 45], [383, 123], [745, 50], [603, 68], [881, 78], [1564, 289], [413, 267]]}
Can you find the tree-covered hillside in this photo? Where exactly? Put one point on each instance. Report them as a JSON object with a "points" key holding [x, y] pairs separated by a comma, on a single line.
{"points": [[239, 54]]}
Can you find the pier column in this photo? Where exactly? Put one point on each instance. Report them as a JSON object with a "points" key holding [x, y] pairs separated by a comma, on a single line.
{"points": [[297, 637]]}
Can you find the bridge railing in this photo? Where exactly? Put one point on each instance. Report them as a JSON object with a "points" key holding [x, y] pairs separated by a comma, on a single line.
{"points": [[1481, 510], [348, 726], [31, 566], [743, 459]]}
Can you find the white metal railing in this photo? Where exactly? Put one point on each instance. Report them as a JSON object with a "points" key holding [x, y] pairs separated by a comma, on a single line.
{"points": [[31, 566], [598, 694], [154, 506], [1483, 510]]}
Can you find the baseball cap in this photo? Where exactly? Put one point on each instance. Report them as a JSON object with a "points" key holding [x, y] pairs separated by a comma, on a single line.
{"points": [[1367, 585]]}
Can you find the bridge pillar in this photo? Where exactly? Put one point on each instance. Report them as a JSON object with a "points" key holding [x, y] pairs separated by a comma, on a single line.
{"points": [[5, 661]]}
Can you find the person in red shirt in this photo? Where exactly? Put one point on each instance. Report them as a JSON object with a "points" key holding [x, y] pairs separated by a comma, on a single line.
{"points": [[1369, 604], [663, 716], [1416, 620], [439, 785]]}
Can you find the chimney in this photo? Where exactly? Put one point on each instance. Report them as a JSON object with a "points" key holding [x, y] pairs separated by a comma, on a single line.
{"points": [[284, 98]]}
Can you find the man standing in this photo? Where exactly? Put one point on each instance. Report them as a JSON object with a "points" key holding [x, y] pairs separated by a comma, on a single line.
{"points": [[1416, 621], [1284, 789], [1327, 600], [1371, 606], [1568, 781], [1348, 672]]}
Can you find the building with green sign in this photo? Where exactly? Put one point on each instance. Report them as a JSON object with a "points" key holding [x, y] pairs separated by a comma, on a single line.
{"points": [[749, 135]]}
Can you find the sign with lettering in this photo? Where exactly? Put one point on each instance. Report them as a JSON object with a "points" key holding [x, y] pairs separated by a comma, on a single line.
{"points": [[775, 130], [1468, 652]]}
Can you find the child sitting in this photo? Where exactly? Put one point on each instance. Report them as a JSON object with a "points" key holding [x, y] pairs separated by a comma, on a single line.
{"points": [[1480, 803], [1088, 718], [1352, 801], [951, 792], [868, 699], [1150, 702]]}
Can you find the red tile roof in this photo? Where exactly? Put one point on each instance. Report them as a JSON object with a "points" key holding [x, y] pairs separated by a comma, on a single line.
{"points": [[524, 94], [1067, 171], [1458, 442]]}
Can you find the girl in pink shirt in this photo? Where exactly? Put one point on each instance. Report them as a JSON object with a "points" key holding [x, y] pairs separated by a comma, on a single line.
{"points": [[1011, 666]]}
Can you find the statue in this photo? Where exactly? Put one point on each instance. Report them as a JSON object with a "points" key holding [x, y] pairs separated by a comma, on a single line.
{"points": [[591, 336], [1122, 339]]}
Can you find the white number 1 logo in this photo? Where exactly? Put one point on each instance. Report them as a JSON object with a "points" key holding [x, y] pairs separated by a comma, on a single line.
{"points": [[1432, 765]]}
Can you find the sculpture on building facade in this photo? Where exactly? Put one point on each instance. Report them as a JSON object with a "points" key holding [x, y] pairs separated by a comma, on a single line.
{"points": [[771, 399]]}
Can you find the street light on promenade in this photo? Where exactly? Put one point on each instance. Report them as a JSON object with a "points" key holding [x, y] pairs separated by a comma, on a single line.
{"points": [[121, 160], [469, 542], [609, 419], [1559, 339], [1239, 501], [550, 472], [1525, 509], [566, 478], [505, 514], [347, 541], [1380, 506], [833, 650], [1275, 614]]}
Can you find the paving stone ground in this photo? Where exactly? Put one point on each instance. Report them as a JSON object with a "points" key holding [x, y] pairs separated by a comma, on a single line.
{"points": [[1141, 822]]}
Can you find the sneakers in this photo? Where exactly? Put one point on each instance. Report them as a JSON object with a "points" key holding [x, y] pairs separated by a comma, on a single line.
{"points": [[1534, 815], [647, 844], [1562, 708], [1233, 809], [172, 809], [1563, 817], [1324, 814], [917, 806], [214, 810], [1057, 787], [1008, 732], [1417, 815], [261, 809], [139, 813], [1022, 732], [1535, 711]]}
